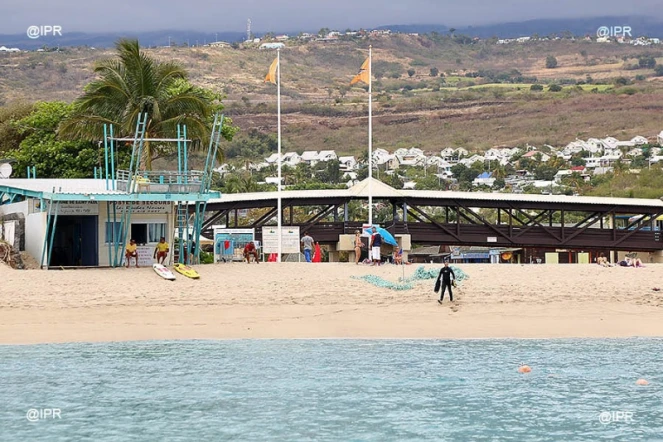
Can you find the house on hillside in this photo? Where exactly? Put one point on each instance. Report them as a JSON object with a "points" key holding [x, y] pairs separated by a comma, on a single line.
{"points": [[462, 152], [534, 155], [272, 159], [272, 46], [390, 162], [327, 155], [635, 152], [379, 155], [347, 164], [639, 140], [411, 157], [309, 157], [449, 152], [484, 179], [561, 174], [291, 159], [471, 160]]}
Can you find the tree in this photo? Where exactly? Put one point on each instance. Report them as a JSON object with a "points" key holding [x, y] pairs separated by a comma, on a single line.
{"points": [[647, 62], [658, 70], [536, 87], [10, 134], [551, 62], [51, 157], [554, 88], [434, 72], [133, 84], [411, 72]]}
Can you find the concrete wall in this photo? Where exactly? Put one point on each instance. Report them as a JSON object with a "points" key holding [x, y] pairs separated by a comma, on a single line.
{"points": [[35, 229]]}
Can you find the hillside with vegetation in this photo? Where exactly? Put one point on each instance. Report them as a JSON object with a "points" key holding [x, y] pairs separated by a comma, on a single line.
{"points": [[430, 92]]}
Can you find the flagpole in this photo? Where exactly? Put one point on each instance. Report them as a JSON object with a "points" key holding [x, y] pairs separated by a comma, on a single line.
{"points": [[278, 109], [370, 136]]}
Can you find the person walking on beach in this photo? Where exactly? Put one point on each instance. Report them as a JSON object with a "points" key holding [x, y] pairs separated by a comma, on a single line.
{"points": [[358, 246], [161, 251], [307, 241], [376, 244], [446, 273]]}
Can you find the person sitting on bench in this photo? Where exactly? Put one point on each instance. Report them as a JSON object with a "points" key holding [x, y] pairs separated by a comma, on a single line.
{"points": [[131, 252], [250, 250]]}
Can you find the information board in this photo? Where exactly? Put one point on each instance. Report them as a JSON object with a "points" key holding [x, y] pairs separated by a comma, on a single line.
{"points": [[229, 243], [289, 240]]}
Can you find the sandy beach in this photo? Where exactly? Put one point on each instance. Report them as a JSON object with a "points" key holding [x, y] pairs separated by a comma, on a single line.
{"points": [[298, 300]]}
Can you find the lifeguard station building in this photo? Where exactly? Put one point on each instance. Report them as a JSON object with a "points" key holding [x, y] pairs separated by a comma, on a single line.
{"points": [[88, 222]]}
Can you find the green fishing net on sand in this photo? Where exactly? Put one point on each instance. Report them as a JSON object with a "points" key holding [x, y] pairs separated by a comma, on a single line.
{"points": [[408, 283]]}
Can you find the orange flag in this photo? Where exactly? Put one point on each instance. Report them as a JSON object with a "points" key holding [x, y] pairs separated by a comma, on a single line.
{"points": [[271, 75], [362, 75]]}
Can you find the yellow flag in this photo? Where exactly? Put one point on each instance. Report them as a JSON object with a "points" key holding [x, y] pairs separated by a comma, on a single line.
{"points": [[362, 75], [271, 75]]}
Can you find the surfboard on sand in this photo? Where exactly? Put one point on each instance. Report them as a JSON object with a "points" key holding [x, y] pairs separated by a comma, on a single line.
{"points": [[186, 271], [163, 272]]}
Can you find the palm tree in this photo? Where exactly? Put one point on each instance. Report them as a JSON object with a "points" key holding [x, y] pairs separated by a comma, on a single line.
{"points": [[137, 83]]}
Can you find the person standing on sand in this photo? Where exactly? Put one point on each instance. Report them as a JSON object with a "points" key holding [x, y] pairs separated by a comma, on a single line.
{"points": [[446, 273], [307, 241], [358, 246], [376, 244]]}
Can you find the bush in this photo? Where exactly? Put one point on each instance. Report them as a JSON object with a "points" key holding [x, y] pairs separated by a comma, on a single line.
{"points": [[206, 258], [551, 62], [647, 62], [658, 70], [536, 87], [554, 88], [621, 81]]}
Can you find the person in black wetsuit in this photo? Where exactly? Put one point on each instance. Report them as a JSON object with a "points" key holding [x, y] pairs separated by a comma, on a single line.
{"points": [[446, 273]]}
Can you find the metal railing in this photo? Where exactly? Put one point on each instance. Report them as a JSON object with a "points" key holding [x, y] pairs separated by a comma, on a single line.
{"points": [[162, 181]]}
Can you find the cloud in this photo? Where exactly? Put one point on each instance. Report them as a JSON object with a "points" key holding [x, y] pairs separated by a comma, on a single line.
{"points": [[294, 15]]}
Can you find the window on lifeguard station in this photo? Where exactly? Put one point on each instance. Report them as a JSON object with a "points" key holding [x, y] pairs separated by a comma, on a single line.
{"points": [[143, 233], [148, 233], [112, 234]]}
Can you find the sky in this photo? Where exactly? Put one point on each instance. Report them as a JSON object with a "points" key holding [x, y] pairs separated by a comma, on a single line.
{"points": [[296, 15]]}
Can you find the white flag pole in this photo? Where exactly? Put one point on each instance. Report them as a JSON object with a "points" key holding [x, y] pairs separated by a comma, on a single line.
{"points": [[370, 135], [278, 107]]}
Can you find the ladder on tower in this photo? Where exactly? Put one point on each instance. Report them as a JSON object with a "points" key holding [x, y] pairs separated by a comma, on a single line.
{"points": [[182, 223], [214, 141], [127, 208]]}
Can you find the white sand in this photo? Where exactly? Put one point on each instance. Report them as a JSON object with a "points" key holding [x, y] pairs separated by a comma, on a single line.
{"points": [[298, 300]]}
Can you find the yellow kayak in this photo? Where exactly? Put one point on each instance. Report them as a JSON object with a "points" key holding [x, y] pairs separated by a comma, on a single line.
{"points": [[186, 271]]}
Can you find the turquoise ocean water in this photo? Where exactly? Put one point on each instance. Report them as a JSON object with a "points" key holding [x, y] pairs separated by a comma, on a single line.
{"points": [[349, 390]]}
